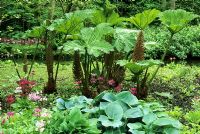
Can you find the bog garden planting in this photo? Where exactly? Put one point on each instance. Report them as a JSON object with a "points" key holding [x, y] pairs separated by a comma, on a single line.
{"points": [[99, 67]]}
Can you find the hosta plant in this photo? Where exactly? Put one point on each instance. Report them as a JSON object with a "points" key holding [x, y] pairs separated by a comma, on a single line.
{"points": [[72, 122], [123, 113]]}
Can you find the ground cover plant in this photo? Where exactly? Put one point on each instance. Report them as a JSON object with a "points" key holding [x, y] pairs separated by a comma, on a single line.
{"points": [[118, 79]]}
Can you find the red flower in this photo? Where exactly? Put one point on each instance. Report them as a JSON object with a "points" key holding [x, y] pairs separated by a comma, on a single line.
{"points": [[10, 99], [118, 88], [3, 121], [111, 82], [24, 82], [133, 91]]}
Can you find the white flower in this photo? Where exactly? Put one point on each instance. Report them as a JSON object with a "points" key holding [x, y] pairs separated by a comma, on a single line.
{"points": [[18, 90], [40, 125]]}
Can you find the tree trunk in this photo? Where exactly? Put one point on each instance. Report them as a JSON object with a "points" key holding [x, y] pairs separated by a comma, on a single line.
{"points": [[164, 4], [173, 4], [77, 70], [51, 84]]}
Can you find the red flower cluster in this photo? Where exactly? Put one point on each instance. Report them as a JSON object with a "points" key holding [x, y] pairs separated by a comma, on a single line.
{"points": [[10, 99], [133, 91], [24, 83], [26, 86]]}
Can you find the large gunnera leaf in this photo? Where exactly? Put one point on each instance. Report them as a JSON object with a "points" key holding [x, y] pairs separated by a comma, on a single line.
{"points": [[176, 20]]}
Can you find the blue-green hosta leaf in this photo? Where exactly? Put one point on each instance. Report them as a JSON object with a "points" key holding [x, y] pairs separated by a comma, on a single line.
{"points": [[127, 98], [133, 113], [99, 97], [171, 131], [110, 97], [167, 122], [137, 132], [114, 111], [123, 105], [113, 131], [136, 125], [176, 20], [142, 20], [124, 39], [109, 123], [69, 104], [162, 114], [149, 118], [60, 103], [90, 110], [103, 105]]}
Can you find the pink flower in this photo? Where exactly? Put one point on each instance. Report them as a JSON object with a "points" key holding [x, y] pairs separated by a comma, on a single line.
{"points": [[118, 88], [133, 91], [100, 78], [37, 112], [93, 80], [34, 97], [10, 114], [45, 114], [111, 82], [78, 82]]}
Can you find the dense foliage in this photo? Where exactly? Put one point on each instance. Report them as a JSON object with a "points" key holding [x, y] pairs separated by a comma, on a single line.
{"points": [[118, 73]]}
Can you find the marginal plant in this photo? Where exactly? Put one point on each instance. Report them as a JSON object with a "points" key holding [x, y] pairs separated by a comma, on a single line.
{"points": [[175, 21], [141, 21], [108, 15], [140, 74], [91, 43]]}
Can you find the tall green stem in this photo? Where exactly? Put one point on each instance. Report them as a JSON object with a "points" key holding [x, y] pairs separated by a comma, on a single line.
{"points": [[17, 71], [59, 58], [162, 59], [33, 59]]}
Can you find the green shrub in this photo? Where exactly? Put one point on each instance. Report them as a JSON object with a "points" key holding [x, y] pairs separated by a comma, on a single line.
{"points": [[185, 43]]}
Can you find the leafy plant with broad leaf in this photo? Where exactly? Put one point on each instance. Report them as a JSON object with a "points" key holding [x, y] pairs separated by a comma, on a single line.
{"points": [[139, 66], [123, 113], [72, 122], [175, 21], [91, 43]]}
